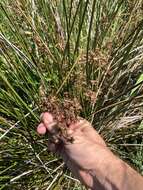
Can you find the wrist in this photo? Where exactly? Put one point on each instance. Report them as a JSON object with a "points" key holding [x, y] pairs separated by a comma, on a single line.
{"points": [[107, 172], [113, 173]]}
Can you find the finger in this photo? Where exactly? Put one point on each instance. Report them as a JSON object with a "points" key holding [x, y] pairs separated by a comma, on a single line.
{"points": [[79, 174], [46, 118], [41, 129], [86, 178], [49, 122], [87, 130], [52, 146], [57, 148], [77, 125]]}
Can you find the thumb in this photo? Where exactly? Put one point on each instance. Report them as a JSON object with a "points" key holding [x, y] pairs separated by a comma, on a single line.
{"points": [[49, 123]]}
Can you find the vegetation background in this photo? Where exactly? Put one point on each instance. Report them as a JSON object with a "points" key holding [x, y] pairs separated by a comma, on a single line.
{"points": [[90, 50]]}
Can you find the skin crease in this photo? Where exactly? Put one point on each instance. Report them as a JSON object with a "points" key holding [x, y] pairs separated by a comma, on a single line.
{"points": [[90, 160]]}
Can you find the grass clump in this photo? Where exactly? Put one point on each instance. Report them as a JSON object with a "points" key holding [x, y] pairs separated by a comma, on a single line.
{"points": [[84, 51]]}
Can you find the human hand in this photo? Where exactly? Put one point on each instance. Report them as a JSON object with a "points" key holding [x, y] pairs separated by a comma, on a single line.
{"points": [[87, 151]]}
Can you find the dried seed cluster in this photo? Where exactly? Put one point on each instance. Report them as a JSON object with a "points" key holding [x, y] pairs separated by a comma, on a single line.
{"points": [[65, 112]]}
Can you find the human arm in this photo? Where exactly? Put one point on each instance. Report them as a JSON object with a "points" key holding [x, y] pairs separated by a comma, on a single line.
{"points": [[90, 160]]}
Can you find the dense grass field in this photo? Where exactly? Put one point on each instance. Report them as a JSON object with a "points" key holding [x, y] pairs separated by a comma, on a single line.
{"points": [[89, 52]]}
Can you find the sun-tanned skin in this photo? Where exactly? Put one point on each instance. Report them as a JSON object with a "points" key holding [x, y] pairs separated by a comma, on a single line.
{"points": [[90, 160]]}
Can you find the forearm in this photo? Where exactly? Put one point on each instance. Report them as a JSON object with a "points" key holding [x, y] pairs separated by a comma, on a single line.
{"points": [[114, 174]]}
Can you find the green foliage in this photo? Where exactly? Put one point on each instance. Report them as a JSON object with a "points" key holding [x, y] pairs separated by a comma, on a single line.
{"points": [[141, 125], [140, 80], [91, 50]]}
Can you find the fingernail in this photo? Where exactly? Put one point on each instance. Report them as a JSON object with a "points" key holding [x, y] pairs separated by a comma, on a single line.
{"points": [[41, 129]]}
